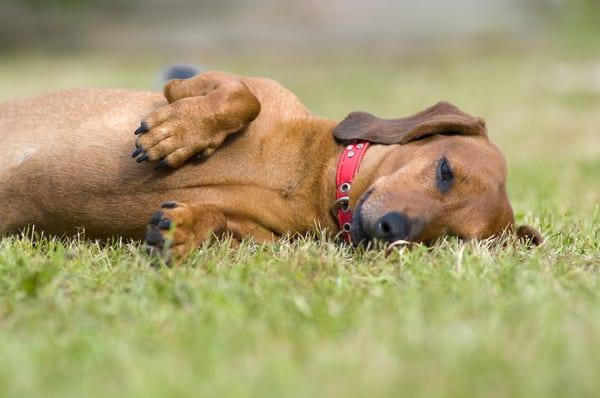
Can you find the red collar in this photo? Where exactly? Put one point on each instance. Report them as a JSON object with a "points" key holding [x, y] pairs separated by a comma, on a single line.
{"points": [[347, 168]]}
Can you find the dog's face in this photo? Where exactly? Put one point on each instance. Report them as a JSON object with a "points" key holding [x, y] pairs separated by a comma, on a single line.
{"points": [[442, 177], [440, 185]]}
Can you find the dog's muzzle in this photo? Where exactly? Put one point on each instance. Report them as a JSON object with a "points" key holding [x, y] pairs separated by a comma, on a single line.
{"points": [[392, 227]]}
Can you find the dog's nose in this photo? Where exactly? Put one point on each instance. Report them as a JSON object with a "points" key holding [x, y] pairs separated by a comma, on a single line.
{"points": [[392, 227]]}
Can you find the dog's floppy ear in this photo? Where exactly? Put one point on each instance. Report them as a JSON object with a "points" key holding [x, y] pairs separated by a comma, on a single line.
{"points": [[442, 118], [529, 235]]}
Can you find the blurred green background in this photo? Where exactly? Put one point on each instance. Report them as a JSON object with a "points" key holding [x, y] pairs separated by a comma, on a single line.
{"points": [[310, 26]]}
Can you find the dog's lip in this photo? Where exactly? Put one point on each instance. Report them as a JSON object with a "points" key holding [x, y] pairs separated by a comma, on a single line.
{"points": [[357, 230]]}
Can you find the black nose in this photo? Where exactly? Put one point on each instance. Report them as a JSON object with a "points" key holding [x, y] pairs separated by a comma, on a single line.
{"points": [[392, 227]]}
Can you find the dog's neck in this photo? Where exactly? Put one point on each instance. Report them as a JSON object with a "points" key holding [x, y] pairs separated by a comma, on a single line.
{"points": [[367, 173]]}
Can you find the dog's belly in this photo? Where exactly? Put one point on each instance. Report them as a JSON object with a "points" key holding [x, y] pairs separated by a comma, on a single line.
{"points": [[67, 167], [66, 163]]}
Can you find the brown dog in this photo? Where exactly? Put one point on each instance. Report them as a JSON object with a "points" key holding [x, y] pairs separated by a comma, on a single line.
{"points": [[268, 167]]}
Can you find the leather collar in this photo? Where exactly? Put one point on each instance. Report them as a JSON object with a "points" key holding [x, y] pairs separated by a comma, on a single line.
{"points": [[347, 168]]}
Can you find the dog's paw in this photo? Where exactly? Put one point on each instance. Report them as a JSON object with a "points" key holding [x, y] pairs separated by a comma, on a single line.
{"points": [[170, 232], [174, 133]]}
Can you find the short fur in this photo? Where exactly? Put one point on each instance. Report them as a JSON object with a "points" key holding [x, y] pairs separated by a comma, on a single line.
{"points": [[236, 155]]}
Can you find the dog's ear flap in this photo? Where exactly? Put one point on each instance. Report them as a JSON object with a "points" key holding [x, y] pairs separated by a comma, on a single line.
{"points": [[442, 118], [529, 235]]}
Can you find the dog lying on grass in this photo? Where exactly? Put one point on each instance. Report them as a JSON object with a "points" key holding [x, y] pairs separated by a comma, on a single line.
{"points": [[227, 154]]}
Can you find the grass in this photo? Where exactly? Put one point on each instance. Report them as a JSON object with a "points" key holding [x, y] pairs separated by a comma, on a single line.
{"points": [[309, 318]]}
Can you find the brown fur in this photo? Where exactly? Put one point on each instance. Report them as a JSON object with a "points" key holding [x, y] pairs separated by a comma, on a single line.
{"points": [[268, 167]]}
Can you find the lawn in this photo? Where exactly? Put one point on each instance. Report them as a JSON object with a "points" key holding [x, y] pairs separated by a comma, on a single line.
{"points": [[310, 318]]}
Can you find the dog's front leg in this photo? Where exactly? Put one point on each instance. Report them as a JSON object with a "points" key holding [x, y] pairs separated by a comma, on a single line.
{"points": [[179, 228], [202, 112]]}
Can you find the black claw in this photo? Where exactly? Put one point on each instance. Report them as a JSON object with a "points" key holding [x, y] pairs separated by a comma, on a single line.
{"points": [[143, 158], [153, 237], [169, 205], [165, 223], [160, 165], [156, 217], [137, 151], [142, 129]]}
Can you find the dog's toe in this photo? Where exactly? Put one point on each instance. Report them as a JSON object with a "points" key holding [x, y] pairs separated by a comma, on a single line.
{"points": [[165, 223], [158, 225], [154, 237], [156, 218]]}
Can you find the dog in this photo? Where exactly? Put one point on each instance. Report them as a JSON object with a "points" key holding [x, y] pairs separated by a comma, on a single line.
{"points": [[226, 154]]}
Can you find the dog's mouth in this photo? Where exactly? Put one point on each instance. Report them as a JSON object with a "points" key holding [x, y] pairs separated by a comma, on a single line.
{"points": [[358, 230]]}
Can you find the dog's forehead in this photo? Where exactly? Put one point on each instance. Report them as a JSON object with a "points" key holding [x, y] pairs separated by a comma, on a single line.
{"points": [[468, 152]]}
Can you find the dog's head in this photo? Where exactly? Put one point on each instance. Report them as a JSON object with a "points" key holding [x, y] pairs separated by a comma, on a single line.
{"points": [[442, 176]]}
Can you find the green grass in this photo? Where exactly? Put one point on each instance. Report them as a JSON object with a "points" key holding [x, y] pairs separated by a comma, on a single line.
{"points": [[309, 318]]}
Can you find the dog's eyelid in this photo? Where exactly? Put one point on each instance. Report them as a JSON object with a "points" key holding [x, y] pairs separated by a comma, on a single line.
{"points": [[444, 175], [444, 168]]}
